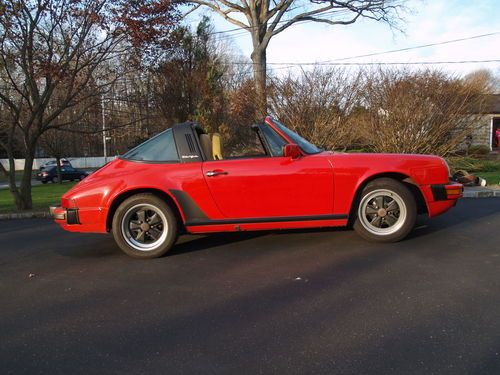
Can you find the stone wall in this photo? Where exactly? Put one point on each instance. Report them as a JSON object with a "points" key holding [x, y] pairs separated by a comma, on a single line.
{"points": [[482, 133]]}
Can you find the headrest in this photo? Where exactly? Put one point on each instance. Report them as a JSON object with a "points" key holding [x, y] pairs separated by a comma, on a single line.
{"points": [[217, 146], [206, 145]]}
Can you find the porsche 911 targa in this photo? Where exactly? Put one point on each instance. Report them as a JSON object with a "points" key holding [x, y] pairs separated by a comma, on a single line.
{"points": [[181, 181]]}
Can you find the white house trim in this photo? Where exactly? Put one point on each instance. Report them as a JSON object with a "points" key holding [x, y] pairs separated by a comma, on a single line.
{"points": [[491, 133]]}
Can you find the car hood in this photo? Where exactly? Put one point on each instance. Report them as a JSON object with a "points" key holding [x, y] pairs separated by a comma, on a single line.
{"points": [[424, 169]]}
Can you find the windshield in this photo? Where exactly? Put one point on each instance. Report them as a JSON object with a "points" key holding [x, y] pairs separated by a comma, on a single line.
{"points": [[306, 146]]}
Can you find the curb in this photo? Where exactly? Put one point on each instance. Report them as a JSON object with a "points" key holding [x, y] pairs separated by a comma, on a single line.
{"points": [[25, 215], [481, 193]]}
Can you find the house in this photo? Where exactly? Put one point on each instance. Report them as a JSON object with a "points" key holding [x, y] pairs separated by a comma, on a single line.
{"points": [[489, 122]]}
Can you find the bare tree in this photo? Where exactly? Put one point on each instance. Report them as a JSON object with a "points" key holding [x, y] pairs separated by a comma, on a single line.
{"points": [[53, 55], [264, 19]]}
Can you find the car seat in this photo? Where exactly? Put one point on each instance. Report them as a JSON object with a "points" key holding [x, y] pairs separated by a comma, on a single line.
{"points": [[206, 146]]}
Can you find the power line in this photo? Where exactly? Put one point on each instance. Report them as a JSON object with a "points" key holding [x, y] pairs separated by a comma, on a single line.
{"points": [[420, 46], [326, 62], [387, 63]]}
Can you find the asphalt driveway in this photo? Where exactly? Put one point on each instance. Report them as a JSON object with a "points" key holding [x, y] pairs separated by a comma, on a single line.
{"points": [[294, 302]]}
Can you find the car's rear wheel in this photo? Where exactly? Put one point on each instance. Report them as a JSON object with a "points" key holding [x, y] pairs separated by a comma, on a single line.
{"points": [[144, 226], [386, 212], [55, 180]]}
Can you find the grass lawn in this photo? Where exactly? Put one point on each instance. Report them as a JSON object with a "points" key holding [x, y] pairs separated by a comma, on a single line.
{"points": [[43, 197], [492, 178], [487, 169]]}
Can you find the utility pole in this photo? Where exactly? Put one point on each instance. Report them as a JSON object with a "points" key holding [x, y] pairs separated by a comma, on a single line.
{"points": [[104, 138]]}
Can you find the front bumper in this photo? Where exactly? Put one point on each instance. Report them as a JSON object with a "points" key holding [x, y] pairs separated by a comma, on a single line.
{"points": [[441, 197], [452, 190]]}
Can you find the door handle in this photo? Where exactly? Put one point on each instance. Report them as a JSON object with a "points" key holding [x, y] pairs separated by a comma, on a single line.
{"points": [[215, 173]]}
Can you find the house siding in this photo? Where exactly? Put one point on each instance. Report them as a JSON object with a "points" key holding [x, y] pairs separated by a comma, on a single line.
{"points": [[481, 135]]}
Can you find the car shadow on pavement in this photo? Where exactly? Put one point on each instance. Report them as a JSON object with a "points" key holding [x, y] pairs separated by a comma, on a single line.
{"points": [[190, 243]]}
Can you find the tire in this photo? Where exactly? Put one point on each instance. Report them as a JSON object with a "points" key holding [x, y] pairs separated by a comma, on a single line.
{"points": [[386, 212], [55, 180], [44, 182], [138, 237]]}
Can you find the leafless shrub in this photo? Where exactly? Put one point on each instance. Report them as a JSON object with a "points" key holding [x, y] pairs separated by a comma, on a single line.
{"points": [[318, 105], [418, 111]]}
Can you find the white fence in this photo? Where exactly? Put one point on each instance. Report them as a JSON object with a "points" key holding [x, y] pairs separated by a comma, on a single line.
{"points": [[90, 162]]}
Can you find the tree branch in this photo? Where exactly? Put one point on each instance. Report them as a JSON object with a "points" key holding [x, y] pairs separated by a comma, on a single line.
{"points": [[223, 13]]}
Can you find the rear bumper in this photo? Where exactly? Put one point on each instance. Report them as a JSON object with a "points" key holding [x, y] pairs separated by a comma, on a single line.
{"points": [[80, 220], [68, 215]]}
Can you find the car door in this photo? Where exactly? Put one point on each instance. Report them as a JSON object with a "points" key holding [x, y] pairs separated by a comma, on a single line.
{"points": [[271, 186]]}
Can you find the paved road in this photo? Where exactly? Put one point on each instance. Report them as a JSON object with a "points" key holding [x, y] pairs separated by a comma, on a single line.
{"points": [[296, 302]]}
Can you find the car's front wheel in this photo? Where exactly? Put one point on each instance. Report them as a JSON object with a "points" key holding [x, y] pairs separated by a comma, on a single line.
{"points": [[144, 226], [386, 212]]}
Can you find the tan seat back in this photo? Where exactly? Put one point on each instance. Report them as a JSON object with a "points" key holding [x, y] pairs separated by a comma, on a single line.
{"points": [[217, 146], [206, 145]]}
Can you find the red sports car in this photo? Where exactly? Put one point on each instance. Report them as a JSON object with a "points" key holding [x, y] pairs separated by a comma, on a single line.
{"points": [[182, 181]]}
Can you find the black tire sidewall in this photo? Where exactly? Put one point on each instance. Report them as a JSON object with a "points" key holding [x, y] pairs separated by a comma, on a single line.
{"points": [[158, 203], [408, 199]]}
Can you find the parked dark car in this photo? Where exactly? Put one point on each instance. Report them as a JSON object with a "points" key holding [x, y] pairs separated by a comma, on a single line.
{"points": [[67, 173], [53, 163]]}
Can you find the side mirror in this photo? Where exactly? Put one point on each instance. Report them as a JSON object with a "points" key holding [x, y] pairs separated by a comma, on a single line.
{"points": [[291, 151]]}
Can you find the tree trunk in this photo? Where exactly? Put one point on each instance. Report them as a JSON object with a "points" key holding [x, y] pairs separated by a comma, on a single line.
{"points": [[25, 188], [12, 182], [58, 166], [260, 76]]}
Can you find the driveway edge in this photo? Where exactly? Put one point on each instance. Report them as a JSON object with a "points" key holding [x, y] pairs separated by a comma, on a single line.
{"points": [[26, 215]]}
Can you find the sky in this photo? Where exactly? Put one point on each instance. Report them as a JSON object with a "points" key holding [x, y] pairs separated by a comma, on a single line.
{"points": [[427, 21]]}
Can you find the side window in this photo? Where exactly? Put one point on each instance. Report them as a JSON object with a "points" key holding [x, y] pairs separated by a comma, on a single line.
{"points": [[245, 144], [273, 139], [159, 148]]}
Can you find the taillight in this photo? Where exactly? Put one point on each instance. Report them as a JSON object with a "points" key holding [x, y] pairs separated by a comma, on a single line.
{"points": [[68, 203]]}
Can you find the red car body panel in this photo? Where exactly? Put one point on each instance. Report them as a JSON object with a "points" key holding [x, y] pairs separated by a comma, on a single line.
{"points": [[254, 193]]}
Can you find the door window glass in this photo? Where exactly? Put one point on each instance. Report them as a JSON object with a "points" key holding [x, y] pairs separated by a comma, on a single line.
{"points": [[159, 148]]}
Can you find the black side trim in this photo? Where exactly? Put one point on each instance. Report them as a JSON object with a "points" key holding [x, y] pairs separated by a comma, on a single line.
{"points": [[276, 219], [439, 192], [72, 216], [190, 209]]}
